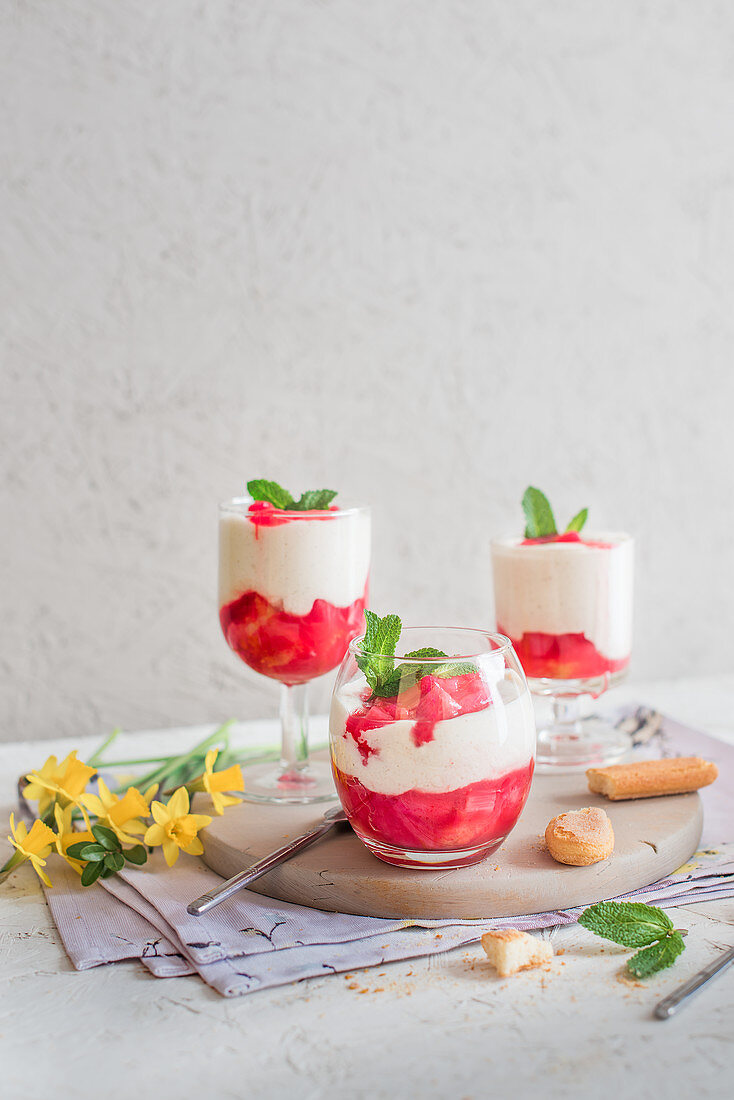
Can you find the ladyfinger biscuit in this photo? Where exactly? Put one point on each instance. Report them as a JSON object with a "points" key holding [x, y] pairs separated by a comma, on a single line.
{"points": [[580, 837], [649, 778]]}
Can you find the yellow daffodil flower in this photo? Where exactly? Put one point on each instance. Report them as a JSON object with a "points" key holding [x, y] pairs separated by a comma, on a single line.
{"points": [[62, 783], [122, 815], [66, 835], [34, 845], [215, 783], [175, 828]]}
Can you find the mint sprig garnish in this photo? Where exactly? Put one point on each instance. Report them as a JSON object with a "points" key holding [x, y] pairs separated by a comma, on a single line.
{"points": [[539, 519], [272, 493], [377, 659], [314, 500], [380, 638], [105, 856], [578, 520], [427, 653], [633, 924]]}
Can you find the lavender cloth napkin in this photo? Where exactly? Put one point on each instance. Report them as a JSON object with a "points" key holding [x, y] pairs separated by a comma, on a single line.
{"points": [[254, 942]]}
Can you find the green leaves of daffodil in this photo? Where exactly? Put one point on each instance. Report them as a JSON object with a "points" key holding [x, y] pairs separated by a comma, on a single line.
{"points": [[106, 856]]}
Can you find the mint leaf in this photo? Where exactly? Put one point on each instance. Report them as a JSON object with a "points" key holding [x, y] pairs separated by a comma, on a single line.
{"points": [[270, 491], [453, 668], [630, 923], [405, 676], [377, 660], [539, 518], [380, 638], [314, 500], [656, 957], [381, 635], [399, 680], [428, 653], [634, 924], [578, 520]]}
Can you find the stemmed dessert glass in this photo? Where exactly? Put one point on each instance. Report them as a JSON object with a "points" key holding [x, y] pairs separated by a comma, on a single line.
{"points": [[566, 604], [292, 591], [433, 757]]}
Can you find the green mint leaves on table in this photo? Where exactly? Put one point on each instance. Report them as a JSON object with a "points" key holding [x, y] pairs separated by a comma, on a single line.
{"points": [[633, 924], [272, 493], [377, 660], [539, 519], [105, 856]]}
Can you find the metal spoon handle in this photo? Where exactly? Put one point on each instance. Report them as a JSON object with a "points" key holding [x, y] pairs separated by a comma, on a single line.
{"points": [[670, 1005], [244, 878]]}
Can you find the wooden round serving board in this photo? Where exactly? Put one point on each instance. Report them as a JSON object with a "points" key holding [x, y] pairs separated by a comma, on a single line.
{"points": [[653, 837]]}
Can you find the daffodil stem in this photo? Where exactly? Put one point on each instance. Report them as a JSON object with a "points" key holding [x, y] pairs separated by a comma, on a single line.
{"points": [[172, 764], [175, 771], [15, 861], [96, 756], [139, 760]]}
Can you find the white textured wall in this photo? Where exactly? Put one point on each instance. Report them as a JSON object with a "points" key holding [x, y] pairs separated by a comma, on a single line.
{"points": [[422, 252]]}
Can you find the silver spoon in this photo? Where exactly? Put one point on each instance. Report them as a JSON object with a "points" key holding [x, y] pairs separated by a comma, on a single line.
{"points": [[670, 1005], [220, 893]]}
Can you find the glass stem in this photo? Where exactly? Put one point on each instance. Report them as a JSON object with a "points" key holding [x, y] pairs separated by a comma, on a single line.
{"points": [[567, 715], [294, 723]]}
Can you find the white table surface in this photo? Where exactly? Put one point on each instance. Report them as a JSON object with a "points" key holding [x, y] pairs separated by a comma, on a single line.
{"points": [[439, 1027]]}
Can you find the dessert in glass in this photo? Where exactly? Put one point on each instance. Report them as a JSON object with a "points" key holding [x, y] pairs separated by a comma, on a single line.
{"points": [[565, 602], [293, 578], [432, 743]]}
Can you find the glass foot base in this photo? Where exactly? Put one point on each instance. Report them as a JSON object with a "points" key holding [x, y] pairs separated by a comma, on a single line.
{"points": [[273, 783], [586, 743], [429, 861]]}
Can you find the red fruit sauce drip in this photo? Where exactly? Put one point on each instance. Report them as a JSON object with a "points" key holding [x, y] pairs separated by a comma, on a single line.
{"points": [[434, 699], [562, 656], [569, 536], [290, 648], [481, 813], [264, 514]]}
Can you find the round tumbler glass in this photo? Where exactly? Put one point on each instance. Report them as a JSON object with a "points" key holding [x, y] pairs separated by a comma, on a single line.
{"points": [[433, 756]]}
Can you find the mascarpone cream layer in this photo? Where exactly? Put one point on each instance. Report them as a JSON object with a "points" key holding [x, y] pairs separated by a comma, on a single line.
{"points": [[295, 563], [567, 588], [464, 750]]}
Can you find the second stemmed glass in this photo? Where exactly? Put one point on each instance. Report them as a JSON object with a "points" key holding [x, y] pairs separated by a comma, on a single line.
{"points": [[566, 604], [292, 592]]}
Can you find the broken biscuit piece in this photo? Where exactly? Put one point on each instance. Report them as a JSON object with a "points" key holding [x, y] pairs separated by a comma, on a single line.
{"points": [[580, 837], [510, 950], [651, 778]]}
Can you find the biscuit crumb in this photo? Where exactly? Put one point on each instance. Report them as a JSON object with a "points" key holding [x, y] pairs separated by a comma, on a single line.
{"points": [[510, 950]]}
